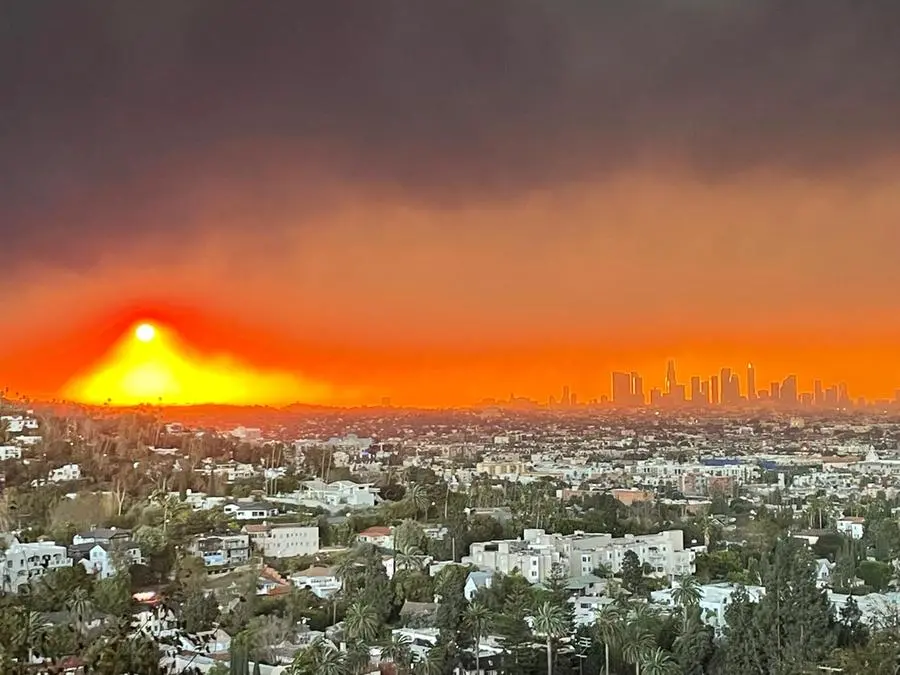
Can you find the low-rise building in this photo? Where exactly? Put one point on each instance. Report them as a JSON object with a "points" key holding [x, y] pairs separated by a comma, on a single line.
{"points": [[283, 540], [250, 510], [852, 526], [8, 452], [21, 563], [322, 581], [378, 535], [102, 558], [225, 550]]}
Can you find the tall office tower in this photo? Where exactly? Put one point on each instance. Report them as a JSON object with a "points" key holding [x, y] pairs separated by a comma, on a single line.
{"points": [[751, 382], [843, 395], [831, 396], [695, 390], [789, 390], [566, 399], [775, 391], [678, 394], [671, 380], [734, 389], [818, 394], [655, 397], [704, 392], [714, 390], [725, 385], [637, 389], [621, 388], [573, 400]]}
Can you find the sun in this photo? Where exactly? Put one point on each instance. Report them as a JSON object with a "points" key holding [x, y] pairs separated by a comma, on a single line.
{"points": [[145, 332]]}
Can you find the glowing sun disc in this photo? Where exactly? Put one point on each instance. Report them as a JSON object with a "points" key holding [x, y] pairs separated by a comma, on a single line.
{"points": [[145, 332]]}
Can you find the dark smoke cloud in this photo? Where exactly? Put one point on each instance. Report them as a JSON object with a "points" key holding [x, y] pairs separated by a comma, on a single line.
{"points": [[116, 115]]}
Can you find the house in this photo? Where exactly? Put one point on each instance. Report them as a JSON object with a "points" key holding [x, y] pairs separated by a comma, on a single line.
{"points": [[22, 563], [587, 584], [10, 452], [270, 582], [283, 540], [102, 535], [250, 510], [322, 581], [65, 473], [378, 535], [476, 581], [823, 569], [221, 551], [341, 494], [714, 600], [101, 557], [852, 526]]}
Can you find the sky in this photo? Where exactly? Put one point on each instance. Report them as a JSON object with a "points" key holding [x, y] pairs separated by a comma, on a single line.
{"points": [[444, 201]]}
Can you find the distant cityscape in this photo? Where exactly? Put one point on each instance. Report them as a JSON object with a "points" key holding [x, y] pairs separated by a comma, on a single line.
{"points": [[724, 389]]}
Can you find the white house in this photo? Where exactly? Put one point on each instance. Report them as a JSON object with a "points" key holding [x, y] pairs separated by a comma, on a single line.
{"points": [[10, 452], [714, 600], [378, 535], [338, 495], [101, 558], [65, 473], [322, 581], [22, 563], [853, 526], [250, 510], [283, 540], [475, 581]]}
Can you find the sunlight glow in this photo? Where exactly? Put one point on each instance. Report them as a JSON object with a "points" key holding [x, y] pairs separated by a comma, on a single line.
{"points": [[151, 365]]}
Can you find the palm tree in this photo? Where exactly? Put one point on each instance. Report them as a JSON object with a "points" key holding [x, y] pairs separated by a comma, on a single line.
{"points": [[433, 664], [659, 662], [635, 644], [80, 608], [399, 653], [418, 497], [686, 594], [478, 619], [550, 621], [609, 630], [362, 622], [320, 658]]}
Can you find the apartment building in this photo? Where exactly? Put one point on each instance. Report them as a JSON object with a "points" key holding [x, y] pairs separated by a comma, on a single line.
{"points": [[225, 550], [22, 563], [283, 540], [536, 554], [337, 495]]}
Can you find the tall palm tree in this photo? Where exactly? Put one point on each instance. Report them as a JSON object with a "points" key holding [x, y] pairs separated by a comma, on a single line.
{"points": [[609, 630], [80, 608], [659, 662], [399, 653], [433, 663], [635, 644], [686, 594], [418, 497], [362, 622], [478, 619], [320, 658], [550, 621]]}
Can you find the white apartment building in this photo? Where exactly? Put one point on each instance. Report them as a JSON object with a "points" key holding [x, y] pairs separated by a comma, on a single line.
{"points": [[10, 452], [17, 424], [533, 560], [337, 495], [22, 563], [535, 555], [657, 470], [283, 540]]}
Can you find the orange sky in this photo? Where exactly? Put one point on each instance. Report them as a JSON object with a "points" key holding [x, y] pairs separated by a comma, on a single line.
{"points": [[444, 307], [412, 201]]}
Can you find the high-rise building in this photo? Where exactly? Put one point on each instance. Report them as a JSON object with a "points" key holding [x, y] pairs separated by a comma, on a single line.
{"points": [[566, 399], [734, 390], [775, 391], [843, 395], [695, 391], [751, 382], [621, 389], [818, 394], [714, 390], [789, 390], [637, 389], [725, 386], [704, 392], [831, 396], [671, 380], [655, 397]]}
